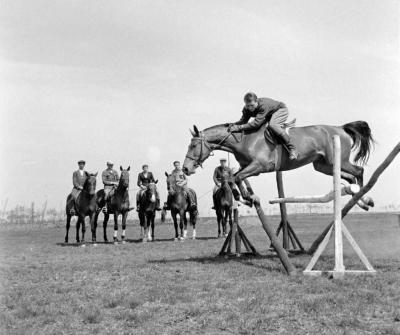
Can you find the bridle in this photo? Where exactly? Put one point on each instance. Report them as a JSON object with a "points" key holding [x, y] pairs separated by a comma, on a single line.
{"points": [[205, 144]]}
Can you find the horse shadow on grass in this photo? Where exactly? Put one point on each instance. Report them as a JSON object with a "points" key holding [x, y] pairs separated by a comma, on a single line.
{"points": [[245, 259]]}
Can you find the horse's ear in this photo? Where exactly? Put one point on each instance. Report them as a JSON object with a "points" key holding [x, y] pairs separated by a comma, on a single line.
{"points": [[120, 167], [156, 181], [166, 174], [95, 174], [192, 132], [196, 131], [129, 168]]}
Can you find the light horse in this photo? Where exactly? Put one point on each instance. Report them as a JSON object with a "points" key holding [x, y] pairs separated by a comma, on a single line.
{"points": [[223, 205], [147, 212], [84, 205], [179, 205], [256, 155], [118, 205]]}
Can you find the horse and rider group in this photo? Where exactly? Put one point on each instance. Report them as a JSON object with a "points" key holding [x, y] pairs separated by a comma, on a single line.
{"points": [[257, 141]]}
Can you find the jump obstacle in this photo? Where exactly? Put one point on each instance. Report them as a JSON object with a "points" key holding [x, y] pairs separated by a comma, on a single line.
{"points": [[337, 225], [236, 234]]}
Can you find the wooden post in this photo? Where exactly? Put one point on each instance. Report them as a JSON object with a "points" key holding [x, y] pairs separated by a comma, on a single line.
{"points": [[282, 207], [282, 254]]}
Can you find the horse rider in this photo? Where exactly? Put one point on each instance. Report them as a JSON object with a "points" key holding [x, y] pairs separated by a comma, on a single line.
{"points": [[180, 180], [78, 179], [265, 110], [144, 179], [110, 180], [218, 174]]}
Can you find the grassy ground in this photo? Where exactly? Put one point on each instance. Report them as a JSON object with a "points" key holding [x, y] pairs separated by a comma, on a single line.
{"points": [[167, 287]]}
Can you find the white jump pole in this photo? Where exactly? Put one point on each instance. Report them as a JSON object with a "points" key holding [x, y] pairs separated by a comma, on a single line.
{"points": [[338, 272]]}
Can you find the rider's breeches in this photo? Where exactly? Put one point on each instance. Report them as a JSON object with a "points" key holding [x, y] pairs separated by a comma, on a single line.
{"points": [[277, 120]]}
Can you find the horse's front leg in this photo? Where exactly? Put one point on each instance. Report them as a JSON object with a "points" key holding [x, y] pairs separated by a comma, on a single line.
{"points": [[174, 218], [105, 221], [78, 226], [184, 225], [83, 230], [116, 227], [93, 226], [193, 222], [254, 169], [226, 216], [181, 220], [124, 218]]}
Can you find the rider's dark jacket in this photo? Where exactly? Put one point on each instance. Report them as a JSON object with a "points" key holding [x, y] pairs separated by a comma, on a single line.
{"points": [[219, 171], [266, 107], [145, 180]]}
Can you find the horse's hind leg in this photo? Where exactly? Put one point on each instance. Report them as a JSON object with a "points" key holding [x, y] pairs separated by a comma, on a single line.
{"points": [[93, 227], [219, 222], [78, 225], [67, 227], [83, 230]]}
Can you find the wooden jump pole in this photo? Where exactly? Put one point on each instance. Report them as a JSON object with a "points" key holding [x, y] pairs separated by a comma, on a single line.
{"points": [[282, 254], [288, 234], [353, 201]]}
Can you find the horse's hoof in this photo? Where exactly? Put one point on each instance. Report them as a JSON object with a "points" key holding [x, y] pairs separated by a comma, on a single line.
{"points": [[123, 242], [175, 239], [105, 240], [193, 237], [144, 240], [83, 245], [66, 240], [94, 244]]}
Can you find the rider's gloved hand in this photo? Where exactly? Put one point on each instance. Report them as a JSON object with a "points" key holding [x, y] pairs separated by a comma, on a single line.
{"points": [[235, 128]]}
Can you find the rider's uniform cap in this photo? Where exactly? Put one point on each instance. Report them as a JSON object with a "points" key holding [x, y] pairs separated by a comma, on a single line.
{"points": [[110, 163], [144, 165], [81, 161], [177, 162], [222, 160]]}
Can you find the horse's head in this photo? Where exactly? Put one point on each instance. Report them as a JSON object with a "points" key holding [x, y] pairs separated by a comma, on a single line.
{"points": [[124, 180], [90, 184], [199, 150], [170, 183], [151, 191]]}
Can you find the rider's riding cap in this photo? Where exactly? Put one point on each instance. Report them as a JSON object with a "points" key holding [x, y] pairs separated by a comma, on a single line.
{"points": [[144, 165], [81, 161], [249, 97]]}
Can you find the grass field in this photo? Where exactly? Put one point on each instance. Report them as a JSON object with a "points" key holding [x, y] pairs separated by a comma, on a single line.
{"points": [[167, 287]]}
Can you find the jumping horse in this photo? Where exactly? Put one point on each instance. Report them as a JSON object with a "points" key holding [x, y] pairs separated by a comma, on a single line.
{"points": [[256, 155], [84, 205], [118, 204], [147, 212], [223, 199], [179, 205]]}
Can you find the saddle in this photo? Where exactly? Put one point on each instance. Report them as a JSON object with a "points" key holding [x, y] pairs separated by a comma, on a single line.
{"points": [[270, 136]]}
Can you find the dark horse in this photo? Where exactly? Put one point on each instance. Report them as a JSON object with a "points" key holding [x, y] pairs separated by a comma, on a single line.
{"points": [[147, 212], [256, 155], [85, 205], [117, 204], [223, 199], [179, 205]]}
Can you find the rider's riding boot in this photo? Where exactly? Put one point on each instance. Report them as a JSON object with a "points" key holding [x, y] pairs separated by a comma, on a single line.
{"points": [[293, 153], [137, 207], [165, 207]]}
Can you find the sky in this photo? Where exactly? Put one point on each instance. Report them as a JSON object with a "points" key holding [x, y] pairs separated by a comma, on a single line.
{"points": [[124, 81]]}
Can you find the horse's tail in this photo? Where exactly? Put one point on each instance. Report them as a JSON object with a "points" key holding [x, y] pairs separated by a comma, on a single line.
{"points": [[360, 132]]}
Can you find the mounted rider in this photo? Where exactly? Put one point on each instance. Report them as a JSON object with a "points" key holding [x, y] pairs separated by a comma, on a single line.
{"points": [[110, 180], [180, 180], [78, 179], [223, 171], [144, 179], [265, 110]]}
